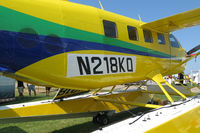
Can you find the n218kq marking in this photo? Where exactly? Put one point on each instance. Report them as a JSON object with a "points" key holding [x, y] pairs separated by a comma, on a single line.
{"points": [[96, 64], [113, 65]]}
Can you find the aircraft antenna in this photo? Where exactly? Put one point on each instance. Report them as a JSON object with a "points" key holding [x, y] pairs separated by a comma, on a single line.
{"points": [[139, 17], [101, 5]]}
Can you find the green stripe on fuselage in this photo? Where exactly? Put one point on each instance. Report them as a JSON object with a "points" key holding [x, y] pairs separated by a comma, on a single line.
{"points": [[11, 20]]}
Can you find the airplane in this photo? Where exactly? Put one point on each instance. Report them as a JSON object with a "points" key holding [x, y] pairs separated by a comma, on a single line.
{"points": [[79, 48]]}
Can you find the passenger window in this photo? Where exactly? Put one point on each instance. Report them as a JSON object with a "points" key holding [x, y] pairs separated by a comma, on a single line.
{"points": [[28, 38], [132, 32], [53, 43], [161, 38], [173, 41], [110, 29], [148, 36]]}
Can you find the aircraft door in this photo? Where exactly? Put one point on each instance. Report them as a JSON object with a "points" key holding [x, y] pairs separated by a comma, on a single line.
{"points": [[177, 52]]}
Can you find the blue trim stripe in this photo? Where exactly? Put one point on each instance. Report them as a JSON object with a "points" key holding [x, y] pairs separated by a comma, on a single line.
{"points": [[15, 57]]}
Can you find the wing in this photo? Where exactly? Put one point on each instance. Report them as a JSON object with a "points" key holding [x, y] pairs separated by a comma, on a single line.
{"points": [[176, 22]]}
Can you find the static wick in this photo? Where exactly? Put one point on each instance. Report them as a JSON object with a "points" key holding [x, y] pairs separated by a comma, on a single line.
{"points": [[101, 5]]}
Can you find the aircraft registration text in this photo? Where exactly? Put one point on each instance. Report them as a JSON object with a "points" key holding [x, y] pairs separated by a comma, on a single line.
{"points": [[99, 64]]}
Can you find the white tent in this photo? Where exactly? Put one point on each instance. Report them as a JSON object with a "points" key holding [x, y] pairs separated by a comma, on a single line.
{"points": [[195, 76]]}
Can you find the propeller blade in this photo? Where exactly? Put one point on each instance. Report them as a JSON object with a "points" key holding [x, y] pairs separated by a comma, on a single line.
{"points": [[193, 50]]}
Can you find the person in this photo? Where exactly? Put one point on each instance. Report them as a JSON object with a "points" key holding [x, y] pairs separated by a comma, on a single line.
{"points": [[20, 87], [48, 91], [181, 78], [31, 87]]}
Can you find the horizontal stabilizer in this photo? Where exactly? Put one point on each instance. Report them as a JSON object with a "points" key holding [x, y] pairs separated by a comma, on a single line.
{"points": [[175, 22]]}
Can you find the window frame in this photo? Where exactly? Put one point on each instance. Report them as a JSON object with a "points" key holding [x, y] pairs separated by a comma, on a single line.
{"points": [[177, 45], [163, 35], [151, 35], [136, 33], [106, 32]]}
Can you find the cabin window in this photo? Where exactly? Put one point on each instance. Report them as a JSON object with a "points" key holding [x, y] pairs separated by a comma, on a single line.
{"points": [[148, 36], [110, 29], [53, 43], [173, 41], [28, 38], [132, 32], [161, 38]]}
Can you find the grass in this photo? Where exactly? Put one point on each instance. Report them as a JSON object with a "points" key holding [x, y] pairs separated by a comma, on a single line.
{"points": [[163, 97], [55, 126], [41, 95], [76, 125]]}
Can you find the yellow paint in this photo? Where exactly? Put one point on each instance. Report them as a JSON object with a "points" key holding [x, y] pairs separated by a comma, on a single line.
{"points": [[82, 105], [187, 123], [89, 20], [97, 91], [182, 95], [55, 73], [52, 71], [158, 78], [182, 84], [170, 93], [112, 89], [191, 80], [128, 103], [165, 92], [176, 22]]}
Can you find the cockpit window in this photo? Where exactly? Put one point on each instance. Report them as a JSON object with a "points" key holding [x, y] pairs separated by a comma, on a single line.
{"points": [[173, 41]]}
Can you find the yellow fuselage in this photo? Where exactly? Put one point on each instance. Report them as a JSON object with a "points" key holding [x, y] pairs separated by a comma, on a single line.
{"points": [[49, 37]]}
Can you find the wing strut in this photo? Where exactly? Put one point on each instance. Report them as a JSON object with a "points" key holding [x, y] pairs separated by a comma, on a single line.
{"points": [[158, 78]]}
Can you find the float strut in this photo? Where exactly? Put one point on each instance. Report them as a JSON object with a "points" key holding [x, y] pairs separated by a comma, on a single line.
{"points": [[112, 89]]}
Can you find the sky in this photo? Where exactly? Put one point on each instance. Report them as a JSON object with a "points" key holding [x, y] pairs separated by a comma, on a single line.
{"points": [[151, 10]]}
